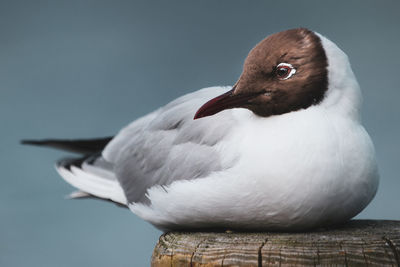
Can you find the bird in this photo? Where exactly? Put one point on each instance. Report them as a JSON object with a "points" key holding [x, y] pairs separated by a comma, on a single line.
{"points": [[283, 149]]}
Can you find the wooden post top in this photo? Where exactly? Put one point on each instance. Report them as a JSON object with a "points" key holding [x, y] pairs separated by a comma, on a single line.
{"points": [[357, 243]]}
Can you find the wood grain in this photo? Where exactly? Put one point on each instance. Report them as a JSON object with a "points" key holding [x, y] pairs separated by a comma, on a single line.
{"points": [[357, 243]]}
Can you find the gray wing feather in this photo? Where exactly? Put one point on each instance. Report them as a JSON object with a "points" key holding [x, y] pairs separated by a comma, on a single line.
{"points": [[168, 145]]}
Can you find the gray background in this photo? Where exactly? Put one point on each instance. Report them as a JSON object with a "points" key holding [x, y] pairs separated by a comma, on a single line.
{"points": [[86, 68]]}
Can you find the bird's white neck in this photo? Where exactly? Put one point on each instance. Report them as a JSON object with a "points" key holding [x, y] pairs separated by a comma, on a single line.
{"points": [[343, 95]]}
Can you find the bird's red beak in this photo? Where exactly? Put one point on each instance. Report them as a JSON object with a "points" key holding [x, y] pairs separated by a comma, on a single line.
{"points": [[222, 102]]}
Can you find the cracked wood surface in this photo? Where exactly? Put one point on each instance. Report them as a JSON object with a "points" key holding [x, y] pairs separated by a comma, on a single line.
{"points": [[357, 243]]}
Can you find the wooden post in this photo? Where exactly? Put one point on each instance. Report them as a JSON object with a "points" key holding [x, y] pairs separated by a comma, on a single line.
{"points": [[357, 243]]}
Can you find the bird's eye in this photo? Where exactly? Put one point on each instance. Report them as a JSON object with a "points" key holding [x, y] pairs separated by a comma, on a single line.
{"points": [[284, 71]]}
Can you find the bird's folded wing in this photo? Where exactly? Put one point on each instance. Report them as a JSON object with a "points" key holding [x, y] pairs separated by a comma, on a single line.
{"points": [[168, 145]]}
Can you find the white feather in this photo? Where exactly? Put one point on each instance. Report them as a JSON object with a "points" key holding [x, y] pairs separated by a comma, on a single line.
{"points": [[93, 183], [295, 171]]}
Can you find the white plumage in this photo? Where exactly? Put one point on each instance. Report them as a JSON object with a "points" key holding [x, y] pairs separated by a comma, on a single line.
{"points": [[238, 170]]}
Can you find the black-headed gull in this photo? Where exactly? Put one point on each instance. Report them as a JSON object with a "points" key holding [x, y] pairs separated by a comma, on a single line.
{"points": [[283, 149]]}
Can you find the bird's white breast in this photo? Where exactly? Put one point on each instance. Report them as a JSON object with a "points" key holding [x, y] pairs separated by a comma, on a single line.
{"points": [[291, 171]]}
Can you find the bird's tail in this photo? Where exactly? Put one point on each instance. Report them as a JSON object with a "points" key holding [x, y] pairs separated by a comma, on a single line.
{"points": [[89, 173]]}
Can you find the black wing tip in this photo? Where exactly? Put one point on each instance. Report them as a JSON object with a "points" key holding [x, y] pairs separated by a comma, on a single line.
{"points": [[31, 142], [80, 146], [48, 141]]}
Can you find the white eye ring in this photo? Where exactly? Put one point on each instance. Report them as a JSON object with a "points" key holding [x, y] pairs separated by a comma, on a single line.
{"points": [[288, 66]]}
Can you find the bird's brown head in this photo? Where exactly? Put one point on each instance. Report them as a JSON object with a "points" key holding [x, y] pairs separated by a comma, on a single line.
{"points": [[285, 72]]}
